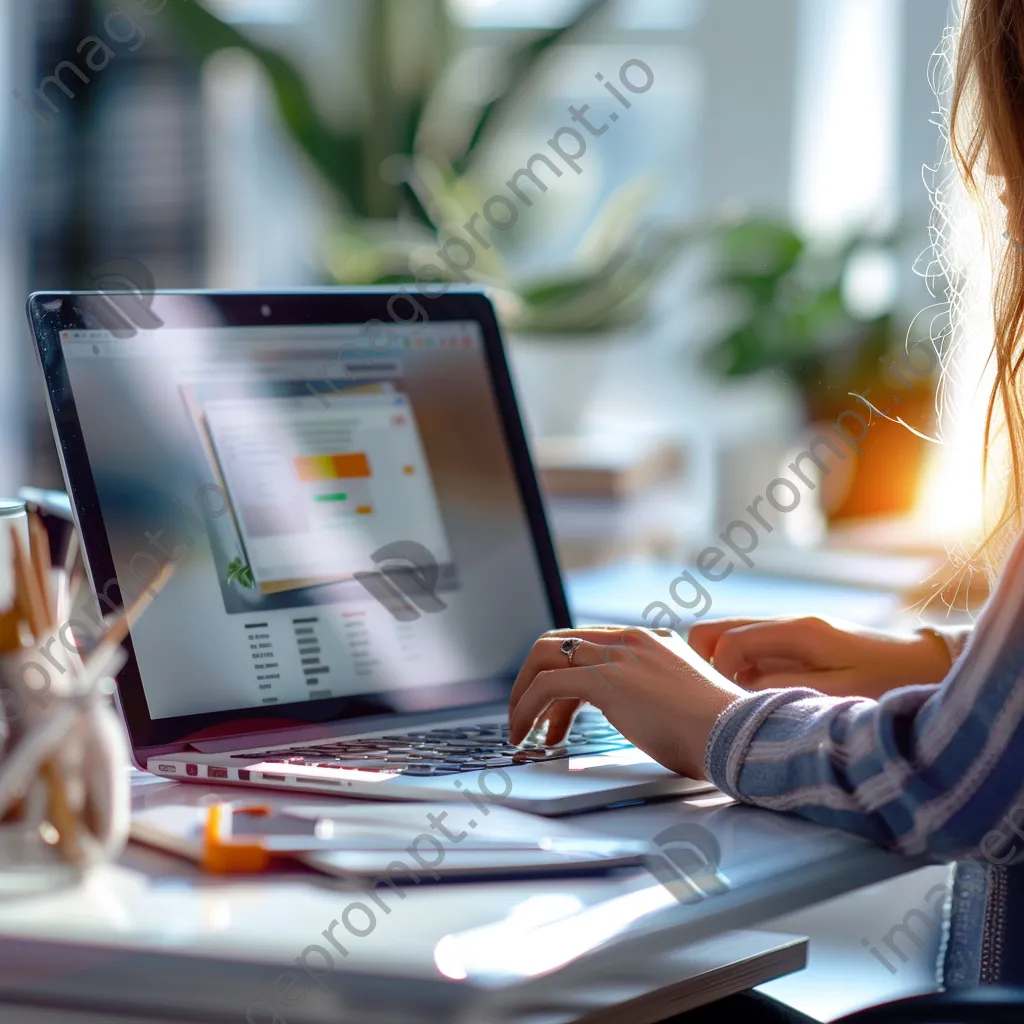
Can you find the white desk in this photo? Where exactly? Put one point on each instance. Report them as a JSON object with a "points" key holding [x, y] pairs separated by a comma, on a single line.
{"points": [[152, 932]]}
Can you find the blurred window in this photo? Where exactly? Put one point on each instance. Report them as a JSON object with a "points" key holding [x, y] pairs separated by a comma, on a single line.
{"points": [[273, 12], [651, 147], [629, 14]]}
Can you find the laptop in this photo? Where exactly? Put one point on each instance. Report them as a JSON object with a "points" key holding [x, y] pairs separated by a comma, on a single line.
{"points": [[361, 561]]}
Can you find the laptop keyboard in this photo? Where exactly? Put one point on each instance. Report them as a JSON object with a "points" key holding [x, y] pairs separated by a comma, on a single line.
{"points": [[447, 750]]}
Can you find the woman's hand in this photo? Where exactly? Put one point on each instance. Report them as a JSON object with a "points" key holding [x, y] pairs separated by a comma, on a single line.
{"points": [[650, 686], [840, 661]]}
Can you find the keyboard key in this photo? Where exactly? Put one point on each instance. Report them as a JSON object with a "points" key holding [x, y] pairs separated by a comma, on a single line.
{"points": [[348, 755], [468, 744], [551, 754]]}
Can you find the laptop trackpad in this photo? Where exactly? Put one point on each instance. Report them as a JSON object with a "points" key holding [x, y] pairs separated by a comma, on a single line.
{"points": [[612, 759], [594, 780]]}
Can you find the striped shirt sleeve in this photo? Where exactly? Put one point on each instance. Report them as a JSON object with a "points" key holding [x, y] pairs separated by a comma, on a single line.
{"points": [[925, 770], [954, 637]]}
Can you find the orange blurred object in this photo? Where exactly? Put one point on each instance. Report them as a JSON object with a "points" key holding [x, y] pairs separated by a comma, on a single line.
{"points": [[312, 468]]}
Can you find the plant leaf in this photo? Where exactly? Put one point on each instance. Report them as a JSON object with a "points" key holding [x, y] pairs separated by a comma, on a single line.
{"points": [[521, 64], [238, 572]]}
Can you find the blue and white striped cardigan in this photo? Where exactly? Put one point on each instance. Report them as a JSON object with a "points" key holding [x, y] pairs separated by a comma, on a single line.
{"points": [[927, 770]]}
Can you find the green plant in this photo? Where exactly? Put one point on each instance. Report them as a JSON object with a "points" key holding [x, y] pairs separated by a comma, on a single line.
{"points": [[401, 177], [790, 310], [240, 573]]}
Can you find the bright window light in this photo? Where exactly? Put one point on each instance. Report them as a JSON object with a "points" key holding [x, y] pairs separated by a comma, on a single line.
{"points": [[870, 283], [515, 13], [845, 138]]}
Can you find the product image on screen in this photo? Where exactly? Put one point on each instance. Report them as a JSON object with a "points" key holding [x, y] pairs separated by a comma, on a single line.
{"points": [[357, 533]]}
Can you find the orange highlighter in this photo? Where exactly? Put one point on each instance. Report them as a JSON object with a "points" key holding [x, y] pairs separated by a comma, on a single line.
{"points": [[242, 837], [225, 853]]}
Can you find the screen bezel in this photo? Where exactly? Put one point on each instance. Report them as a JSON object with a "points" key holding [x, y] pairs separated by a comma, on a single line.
{"points": [[52, 312]]}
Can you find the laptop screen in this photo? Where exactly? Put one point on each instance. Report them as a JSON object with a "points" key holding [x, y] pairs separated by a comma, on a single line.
{"points": [[341, 510]]}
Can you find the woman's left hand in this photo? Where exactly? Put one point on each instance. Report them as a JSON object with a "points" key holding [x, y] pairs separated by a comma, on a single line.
{"points": [[650, 685]]}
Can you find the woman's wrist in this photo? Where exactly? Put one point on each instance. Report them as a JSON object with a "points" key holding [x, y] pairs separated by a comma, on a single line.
{"points": [[936, 658], [921, 658], [734, 731]]}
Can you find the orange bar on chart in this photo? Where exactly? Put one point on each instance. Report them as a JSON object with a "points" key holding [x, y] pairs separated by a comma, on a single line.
{"points": [[351, 466], [311, 468]]}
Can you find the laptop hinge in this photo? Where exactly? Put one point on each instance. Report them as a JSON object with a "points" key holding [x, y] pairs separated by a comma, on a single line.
{"points": [[238, 735], [257, 734]]}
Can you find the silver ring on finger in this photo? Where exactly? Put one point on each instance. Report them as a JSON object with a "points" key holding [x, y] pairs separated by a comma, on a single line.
{"points": [[570, 645]]}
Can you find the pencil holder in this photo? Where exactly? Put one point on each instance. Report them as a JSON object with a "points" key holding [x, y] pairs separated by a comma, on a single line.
{"points": [[64, 796], [12, 517]]}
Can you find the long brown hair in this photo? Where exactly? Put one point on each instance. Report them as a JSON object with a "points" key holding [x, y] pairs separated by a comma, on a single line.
{"points": [[986, 138]]}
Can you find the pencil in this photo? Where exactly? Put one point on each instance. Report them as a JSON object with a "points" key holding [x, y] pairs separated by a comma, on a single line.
{"points": [[61, 814], [28, 598], [40, 551], [31, 601], [12, 627], [10, 632], [118, 630], [65, 575]]}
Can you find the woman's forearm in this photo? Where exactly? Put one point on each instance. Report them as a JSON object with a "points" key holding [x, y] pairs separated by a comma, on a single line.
{"points": [[926, 769], [945, 644]]}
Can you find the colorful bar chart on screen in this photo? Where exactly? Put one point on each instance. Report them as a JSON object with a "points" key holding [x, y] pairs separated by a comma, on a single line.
{"points": [[338, 482], [349, 465], [316, 490]]}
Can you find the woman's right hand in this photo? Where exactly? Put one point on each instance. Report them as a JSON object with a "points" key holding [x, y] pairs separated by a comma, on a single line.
{"points": [[837, 660]]}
